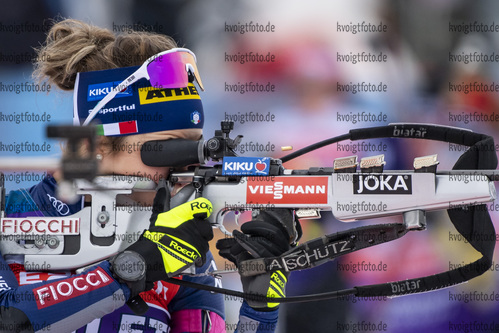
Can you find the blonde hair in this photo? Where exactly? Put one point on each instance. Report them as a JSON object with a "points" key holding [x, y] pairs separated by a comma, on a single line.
{"points": [[74, 46]]}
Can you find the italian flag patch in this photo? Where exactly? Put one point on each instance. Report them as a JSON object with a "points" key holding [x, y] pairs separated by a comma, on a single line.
{"points": [[125, 127]]}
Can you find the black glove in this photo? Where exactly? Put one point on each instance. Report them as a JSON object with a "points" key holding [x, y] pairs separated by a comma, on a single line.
{"points": [[176, 239], [270, 234]]}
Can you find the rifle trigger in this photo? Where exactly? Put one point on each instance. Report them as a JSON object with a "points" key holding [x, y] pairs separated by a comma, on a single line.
{"points": [[219, 223], [237, 215]]}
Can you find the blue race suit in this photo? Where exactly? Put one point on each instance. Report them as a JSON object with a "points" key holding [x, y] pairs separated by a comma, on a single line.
{"points": [[89, 302], [94, 301]]}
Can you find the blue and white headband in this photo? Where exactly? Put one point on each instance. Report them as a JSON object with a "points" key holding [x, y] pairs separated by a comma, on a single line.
{"points": [[139, 108]]}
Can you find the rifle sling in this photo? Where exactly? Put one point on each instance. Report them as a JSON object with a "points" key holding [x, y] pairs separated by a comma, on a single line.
{"points": [[317, 251]]}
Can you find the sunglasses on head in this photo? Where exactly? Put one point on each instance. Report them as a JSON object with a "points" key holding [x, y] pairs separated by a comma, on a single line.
{"points": [[168, 69]]}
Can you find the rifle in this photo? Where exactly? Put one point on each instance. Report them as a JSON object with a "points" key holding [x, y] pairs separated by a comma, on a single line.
{"points": [[244, 183]]}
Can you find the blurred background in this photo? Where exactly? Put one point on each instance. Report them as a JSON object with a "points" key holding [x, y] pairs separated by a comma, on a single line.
{"points": [[425, 45]]}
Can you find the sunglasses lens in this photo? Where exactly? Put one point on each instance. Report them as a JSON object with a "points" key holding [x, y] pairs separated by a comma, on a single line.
{"points": [[170, 70], [167, 71], [190, 62]]}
